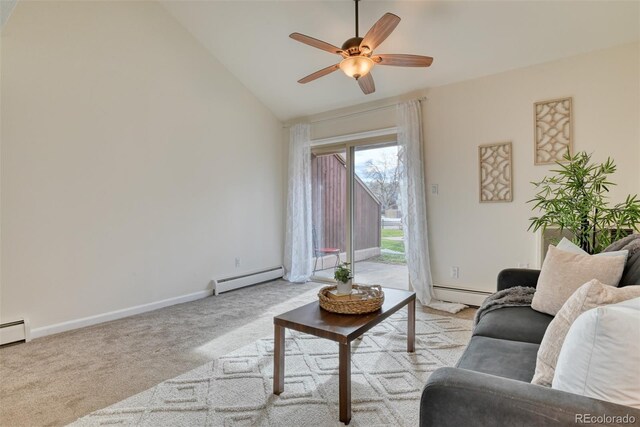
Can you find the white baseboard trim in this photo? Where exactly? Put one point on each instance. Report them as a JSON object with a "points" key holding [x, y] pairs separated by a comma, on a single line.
{"points": [[463, 296], [116, 314]]}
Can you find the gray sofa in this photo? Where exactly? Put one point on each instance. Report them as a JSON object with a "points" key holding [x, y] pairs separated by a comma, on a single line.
{"points": [[491, 386]]}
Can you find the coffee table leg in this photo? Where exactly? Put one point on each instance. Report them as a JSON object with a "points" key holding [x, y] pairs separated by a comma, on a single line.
{"points": [[344, 379], [278, 360], [411, 327]]}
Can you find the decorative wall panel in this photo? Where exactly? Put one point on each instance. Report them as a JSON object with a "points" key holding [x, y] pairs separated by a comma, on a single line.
{"points": [[553, 130], [495, 172]]}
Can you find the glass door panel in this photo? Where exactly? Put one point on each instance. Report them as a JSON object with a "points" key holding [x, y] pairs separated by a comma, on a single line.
{"points": [[378, 236], [329, 177]]}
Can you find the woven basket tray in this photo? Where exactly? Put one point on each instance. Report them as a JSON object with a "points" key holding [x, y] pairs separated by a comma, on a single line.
{"points": [[363, 299]]}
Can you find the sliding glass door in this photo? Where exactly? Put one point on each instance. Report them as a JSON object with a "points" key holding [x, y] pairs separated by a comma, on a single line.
{"points": [[378, 236], [356, 214], [329, 211]]}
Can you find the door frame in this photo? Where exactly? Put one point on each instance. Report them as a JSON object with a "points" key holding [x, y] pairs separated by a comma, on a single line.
{"points": [[348, 144]]}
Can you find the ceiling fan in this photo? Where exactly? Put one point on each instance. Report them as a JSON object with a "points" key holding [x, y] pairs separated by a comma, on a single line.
{"points": [[357, 53]]}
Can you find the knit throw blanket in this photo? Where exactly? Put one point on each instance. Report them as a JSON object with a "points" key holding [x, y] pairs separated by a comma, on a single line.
{"points": [[630, 243], [517, 296]]}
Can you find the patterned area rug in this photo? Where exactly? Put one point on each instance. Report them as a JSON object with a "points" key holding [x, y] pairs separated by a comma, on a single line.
{"points": [[236, 390]]}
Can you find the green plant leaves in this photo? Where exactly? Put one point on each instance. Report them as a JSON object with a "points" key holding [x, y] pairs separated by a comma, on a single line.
{"points": [[343, 273], [575, 199]]}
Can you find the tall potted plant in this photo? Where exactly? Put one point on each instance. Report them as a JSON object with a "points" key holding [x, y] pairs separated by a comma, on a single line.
{"points": [[575, 199]]}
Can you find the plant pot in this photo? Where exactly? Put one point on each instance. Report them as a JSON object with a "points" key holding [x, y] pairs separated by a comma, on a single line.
{"points": [[344, 288]]}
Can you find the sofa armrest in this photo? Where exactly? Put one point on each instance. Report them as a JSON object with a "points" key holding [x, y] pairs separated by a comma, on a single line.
{"points": [[459, 397], [517, 277]]}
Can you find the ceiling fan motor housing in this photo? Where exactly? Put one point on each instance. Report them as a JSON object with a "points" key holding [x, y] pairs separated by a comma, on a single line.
{"points": [[352, 46]]}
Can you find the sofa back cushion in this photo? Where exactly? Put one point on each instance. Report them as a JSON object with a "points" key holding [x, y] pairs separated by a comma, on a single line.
{"points": [[631, 275], [631, 243]]}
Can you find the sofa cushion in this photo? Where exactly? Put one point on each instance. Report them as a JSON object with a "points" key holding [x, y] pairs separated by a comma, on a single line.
{"points": [[600, 357], [563, 272], [590, 295], [567, 245], [631, 274], [508, 359], [514, 323]]}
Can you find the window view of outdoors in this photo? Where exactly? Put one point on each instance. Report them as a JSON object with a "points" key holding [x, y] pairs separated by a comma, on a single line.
{"points": [[378, 236]]}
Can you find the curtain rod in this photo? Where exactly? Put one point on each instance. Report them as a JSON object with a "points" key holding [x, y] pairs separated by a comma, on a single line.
{"points": [[356, 113]]}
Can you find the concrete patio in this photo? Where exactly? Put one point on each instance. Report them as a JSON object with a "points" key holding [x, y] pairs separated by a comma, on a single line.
{"points": [[375, 273]]}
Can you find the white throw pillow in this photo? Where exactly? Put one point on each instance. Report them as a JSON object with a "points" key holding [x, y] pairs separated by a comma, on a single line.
{"points": [[600, 357], [567, 245], [590, 295]]}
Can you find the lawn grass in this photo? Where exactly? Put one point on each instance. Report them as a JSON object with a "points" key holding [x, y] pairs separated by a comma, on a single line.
{"points": [[394, 245], [389, 259], [387, 232]]}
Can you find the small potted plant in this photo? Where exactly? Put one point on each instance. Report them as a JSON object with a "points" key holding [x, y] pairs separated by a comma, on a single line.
{"points": [[343, 278]]}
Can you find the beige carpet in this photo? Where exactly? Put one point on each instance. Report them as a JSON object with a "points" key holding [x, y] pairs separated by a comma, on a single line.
{"points": [[55, 380], [237, 389]]}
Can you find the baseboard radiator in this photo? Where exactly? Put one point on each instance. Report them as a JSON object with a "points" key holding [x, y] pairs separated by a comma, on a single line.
{"points": [[231, 283], [12, 332], [463, 296]]}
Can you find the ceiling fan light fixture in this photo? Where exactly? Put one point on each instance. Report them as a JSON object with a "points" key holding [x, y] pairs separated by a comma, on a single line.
{"points": [[356, 66], [357, 53]]}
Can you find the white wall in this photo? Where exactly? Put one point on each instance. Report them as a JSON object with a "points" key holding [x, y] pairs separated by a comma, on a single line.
{"points": [[482, 239], [135, 167]]}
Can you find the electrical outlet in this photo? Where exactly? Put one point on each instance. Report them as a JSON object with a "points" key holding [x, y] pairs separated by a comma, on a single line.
{"points": [[434, 188], [523, 265], [455, 272], [237, 262]]}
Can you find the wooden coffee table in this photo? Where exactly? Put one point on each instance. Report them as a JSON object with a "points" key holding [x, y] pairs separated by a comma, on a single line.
{"points": [[342, 328]]}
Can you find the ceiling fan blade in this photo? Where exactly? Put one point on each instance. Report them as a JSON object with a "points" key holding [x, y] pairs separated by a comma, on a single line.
{"points": [[319, 44], [366, 84], [330, 69], [380, 31], [402, 60]]}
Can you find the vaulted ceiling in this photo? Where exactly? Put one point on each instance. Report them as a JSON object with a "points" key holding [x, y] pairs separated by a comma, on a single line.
{"points": [[468, 39]]}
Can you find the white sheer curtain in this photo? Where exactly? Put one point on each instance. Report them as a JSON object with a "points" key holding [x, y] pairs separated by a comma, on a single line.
{"points": [[298, 241], [414, 208]]}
